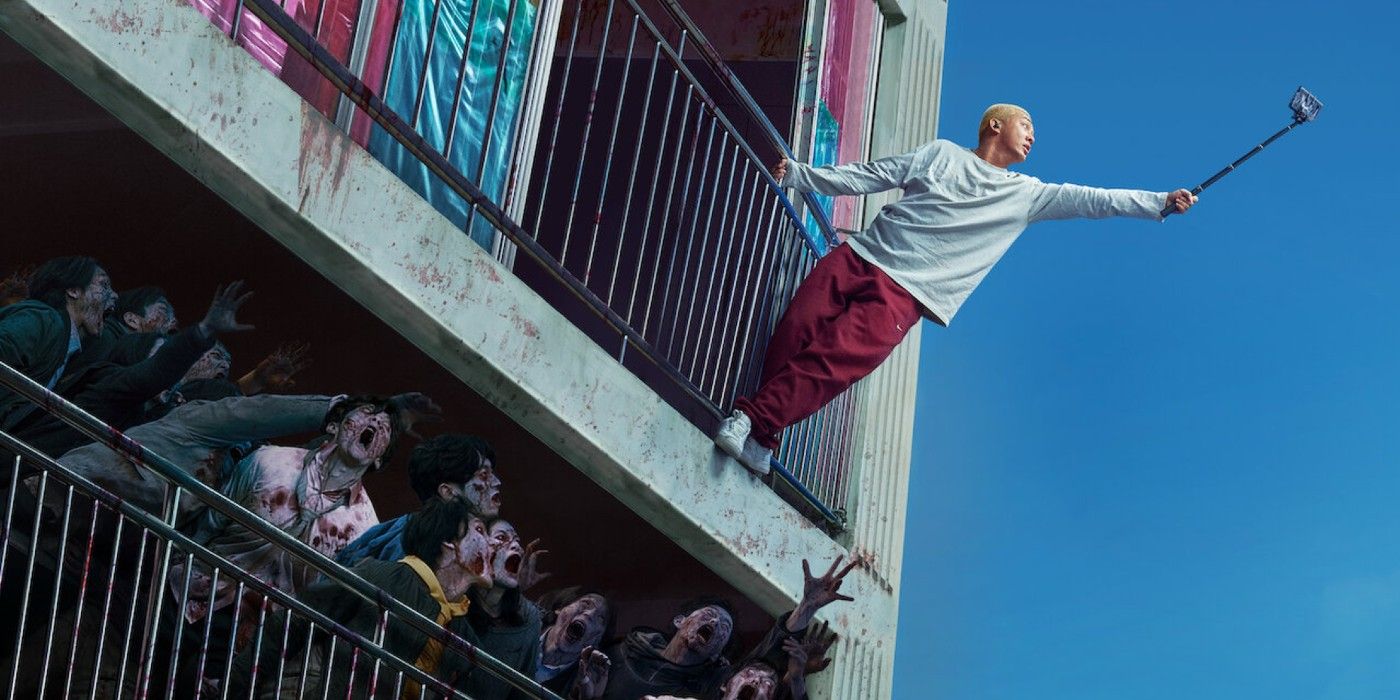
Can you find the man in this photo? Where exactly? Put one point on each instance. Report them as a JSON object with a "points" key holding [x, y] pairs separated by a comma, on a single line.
{"points": [[448, 555], [140, 310], [578, 620], [921, 256], [447, 467], [38, 337]]}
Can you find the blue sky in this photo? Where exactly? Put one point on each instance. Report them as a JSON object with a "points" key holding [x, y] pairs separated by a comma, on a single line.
{"points": [[1163, 460]]}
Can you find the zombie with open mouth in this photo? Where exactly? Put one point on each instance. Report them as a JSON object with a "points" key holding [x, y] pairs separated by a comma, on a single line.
{"points": [[40, 336], [446, 468], [315, 495], [449, 556], [507, 624], [578, 620], [689, 662]]}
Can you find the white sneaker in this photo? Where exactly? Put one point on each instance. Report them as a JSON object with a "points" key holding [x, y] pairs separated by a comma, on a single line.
{"points": [[732, 433], [756, 457]]}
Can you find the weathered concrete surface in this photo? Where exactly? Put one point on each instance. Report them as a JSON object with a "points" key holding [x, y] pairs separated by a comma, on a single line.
{"points": [[163, 70]]}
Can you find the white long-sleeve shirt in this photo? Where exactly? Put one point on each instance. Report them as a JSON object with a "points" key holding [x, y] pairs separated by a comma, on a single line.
{"points": [[958, 216]]}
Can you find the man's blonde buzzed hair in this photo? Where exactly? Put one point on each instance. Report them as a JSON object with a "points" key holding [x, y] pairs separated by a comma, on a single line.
{"points": [[1000, 112]]}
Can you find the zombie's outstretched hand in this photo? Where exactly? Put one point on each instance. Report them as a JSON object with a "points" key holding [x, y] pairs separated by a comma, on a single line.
{"points": [[221, 317], [530, 573], [592, 678], [413, 408], [806, 657], [818, 592], [275, 372]]}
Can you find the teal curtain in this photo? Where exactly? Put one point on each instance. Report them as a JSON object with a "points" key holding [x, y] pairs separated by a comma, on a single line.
{"points": [[483, 50]]}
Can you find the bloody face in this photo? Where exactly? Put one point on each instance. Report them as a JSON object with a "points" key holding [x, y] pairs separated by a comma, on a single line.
{"points": [[483, 492], [96, 299], [363, 435], [472, 553], [705, 631], [577, 625], [156, 318], [213, 364], [507, 554], [753, 682]]}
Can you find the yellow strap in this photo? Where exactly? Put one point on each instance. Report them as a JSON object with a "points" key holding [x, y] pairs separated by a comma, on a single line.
{"points": [[432, 651]]}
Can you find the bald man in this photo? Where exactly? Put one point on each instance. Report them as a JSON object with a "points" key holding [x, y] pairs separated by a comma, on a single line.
{"points": [[921, 257]]}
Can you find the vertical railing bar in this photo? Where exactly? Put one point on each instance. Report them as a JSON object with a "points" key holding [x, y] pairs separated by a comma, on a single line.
{"points": [[558, 117], [143, 679], [107, 608], [9, 513], [28, 579], [427, 58], [689, 241], [398, 685], [131, 614], [57, 588], [461, 83], [704, 235], [306, 661], [667, 206], [632, 178], [380, 631], [282, 651], [730, 289], [179, 627], [732, 244], [495, 98], [722, 242], [392, 55], [748, 375], [233, 634], [587, 131], [612, 145], [670, 192], [82, 596], [320, 20], [257, 640], [236, 22], [330, 665], [744, 343], [208, 630]]}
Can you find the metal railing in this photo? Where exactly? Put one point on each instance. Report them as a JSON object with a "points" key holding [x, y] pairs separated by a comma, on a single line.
{"points": [[641, 200], [123, 612]]}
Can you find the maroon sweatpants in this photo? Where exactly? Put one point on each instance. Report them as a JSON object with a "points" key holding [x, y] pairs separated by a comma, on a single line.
{"points": [[845, 319]]}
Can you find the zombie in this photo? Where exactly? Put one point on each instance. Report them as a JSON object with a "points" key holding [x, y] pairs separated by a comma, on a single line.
{"points": [[446, 467], [578, 620], [140, 367], [920, 257], [507, 624], [314, 495], [39, 336], [755, 680], [139, 310], [448, 557], [690, 661]]}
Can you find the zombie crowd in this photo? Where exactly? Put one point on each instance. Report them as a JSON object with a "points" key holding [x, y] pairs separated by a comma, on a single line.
{"points": [[126, 359]]}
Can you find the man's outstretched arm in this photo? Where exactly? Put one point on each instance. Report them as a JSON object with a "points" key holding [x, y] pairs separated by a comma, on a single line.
{"points": [[854, 178], [1077, 201]]}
